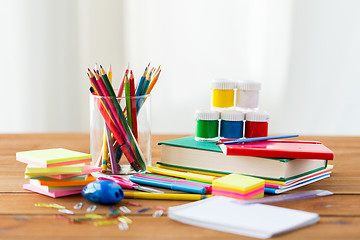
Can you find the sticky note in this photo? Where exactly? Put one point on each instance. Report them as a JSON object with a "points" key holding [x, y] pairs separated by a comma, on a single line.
{"points": [[52, 157], [238, 183]]}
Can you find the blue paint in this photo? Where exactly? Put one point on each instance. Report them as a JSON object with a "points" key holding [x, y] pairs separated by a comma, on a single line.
{"points": [[231, 129]]}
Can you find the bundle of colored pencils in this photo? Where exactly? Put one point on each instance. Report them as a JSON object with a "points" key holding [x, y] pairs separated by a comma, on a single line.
{"points": [[121, 134]]}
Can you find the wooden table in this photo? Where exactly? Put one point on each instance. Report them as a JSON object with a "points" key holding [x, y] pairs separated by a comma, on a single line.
{"points": [[19, 218]]}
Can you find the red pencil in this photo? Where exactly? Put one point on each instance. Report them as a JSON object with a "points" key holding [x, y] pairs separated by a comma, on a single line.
{"points": [[133, 105], [121, 88]]}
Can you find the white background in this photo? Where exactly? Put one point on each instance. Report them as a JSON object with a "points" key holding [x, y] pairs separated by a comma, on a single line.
{"points": [[306, 54]]}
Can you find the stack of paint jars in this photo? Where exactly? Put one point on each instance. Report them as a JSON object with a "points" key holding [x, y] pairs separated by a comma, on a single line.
{"points": [[234, 112]]}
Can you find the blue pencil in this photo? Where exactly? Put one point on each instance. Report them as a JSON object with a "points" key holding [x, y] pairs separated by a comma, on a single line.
{"points": [[245, 140]]}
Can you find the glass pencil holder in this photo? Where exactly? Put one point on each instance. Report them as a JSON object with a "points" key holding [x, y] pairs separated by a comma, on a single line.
{"points": [[120, 133]]}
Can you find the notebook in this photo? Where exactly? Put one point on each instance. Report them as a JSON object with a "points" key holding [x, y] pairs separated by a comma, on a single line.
{"points": [[253, 220]]}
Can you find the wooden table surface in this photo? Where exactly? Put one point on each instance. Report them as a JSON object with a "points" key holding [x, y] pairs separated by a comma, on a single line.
{"points": [[20, 219]]}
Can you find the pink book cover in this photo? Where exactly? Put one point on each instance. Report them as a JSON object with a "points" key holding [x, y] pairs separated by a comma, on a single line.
{"points": [[36, 189], [279, 149]]}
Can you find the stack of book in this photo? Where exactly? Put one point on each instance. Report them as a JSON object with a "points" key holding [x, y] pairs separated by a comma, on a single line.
{"points": [[284, 165], [57, 172]]}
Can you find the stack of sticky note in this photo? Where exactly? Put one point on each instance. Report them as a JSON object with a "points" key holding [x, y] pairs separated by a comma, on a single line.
{"points": [[57, 172], [238, 186]]}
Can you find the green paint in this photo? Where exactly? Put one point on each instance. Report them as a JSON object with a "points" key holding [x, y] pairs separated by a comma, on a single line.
{"points": [[207, 128]]}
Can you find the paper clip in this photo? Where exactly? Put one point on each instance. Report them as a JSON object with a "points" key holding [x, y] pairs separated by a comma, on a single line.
{"points": [[159, 208], [62, 216], [123, 226], [125, 209], [67, 211], [78, 205], [158, 213], [91, 208], [81, 219], [114, 214], [51, 205], [112, 209], [134, 204], [103, 223], [144, 210], [94, 216], [125, 219]]}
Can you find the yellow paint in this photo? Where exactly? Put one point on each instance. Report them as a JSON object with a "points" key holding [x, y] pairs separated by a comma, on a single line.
{"points": [[223, 98]]}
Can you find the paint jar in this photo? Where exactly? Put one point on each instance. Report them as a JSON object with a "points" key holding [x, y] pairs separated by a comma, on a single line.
{"points": [[247, 94], [99, 107], [256, 124], [232, 124], [207, 125], [223, 94]]}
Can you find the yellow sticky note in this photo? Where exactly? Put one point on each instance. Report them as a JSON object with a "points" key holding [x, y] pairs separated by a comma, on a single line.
{"points": [[238, 182]]}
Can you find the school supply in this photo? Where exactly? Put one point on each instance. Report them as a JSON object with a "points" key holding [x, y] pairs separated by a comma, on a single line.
{"points": [[193, 155], [56, 194], [271, 186], [279, 149], [184, 175], [126, 183], [288, 197], [52, 157], [32, 170], [170, 185], [254, 220], [121, 121], [238, 186], [165, 178], [166, 196], [103, 191], [245, 140], [287, 183], [56, 172]]}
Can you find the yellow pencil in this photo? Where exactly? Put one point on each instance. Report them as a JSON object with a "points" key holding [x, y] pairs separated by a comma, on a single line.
{"points": [[165, 196], [110, 73], [186, 175]]}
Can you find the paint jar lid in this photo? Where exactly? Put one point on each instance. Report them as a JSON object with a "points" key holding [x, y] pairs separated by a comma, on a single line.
{"points": [[232, 116], [206, 115], [223, 83], [248, 85], [257, 116]]}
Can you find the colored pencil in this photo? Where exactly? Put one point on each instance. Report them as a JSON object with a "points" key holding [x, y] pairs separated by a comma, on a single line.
{"points": [[128, 100], [110, 143], [116, 134], [133, 105], [109, 112], [167, 196], [105, 152], [139, 157], [121, 88], [110, 73], [153, 82]]}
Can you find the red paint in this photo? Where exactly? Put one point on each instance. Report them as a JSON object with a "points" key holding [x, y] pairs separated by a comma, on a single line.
{"points": [[256, 129]]}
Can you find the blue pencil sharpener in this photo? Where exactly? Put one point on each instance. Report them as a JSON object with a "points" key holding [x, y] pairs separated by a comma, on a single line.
{"points": [[103, 192]]}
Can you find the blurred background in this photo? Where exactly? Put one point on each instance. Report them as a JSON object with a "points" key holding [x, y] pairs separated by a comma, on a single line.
{"points": [[304, 52]]}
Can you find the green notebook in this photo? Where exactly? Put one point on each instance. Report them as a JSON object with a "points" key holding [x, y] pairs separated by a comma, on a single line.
{"points": [[188, 153]]}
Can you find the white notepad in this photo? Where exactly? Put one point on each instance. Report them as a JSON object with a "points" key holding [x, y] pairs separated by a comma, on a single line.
{"points": [[254, 220]]}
